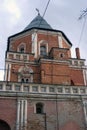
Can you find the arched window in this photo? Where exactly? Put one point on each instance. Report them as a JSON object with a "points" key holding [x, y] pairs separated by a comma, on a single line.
{"points": [[27, 80], [22, 80], [43, 50], [21, 48], [39, 108]]}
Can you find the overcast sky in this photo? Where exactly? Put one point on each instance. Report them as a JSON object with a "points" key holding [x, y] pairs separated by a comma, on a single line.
{"points": [[62, 15]]}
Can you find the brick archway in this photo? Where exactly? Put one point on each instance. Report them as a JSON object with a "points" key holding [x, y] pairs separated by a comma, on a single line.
{"points": [[4, 125]]}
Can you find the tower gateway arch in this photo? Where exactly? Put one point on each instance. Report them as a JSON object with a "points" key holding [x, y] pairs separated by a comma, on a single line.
{"points": [[4, 125]]}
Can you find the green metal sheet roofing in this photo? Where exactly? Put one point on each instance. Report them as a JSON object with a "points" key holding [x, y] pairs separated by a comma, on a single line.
{"points": [[38, 22]]}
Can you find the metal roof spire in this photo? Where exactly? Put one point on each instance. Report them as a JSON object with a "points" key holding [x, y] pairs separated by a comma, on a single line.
{"points": [[38, 22]]}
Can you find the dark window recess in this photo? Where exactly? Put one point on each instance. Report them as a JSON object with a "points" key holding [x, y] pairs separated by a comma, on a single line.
{"points": [[27, 81], [39, 108], [22, 80], [21, 49], [61, 55], [43, 50], [72, 82], [4, 125]]}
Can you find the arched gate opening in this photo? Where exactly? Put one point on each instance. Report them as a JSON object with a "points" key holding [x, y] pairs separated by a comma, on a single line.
{"points": [[4, 125]]}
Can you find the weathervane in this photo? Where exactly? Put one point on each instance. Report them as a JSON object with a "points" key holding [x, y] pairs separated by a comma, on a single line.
{"points": [[38, 11]]}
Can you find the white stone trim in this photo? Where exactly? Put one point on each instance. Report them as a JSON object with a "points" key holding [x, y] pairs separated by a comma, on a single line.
{"points": [[9, 72], [85, 76], [85, 110], [34, 43], [60, 41], [25, 117], [81, 90], [6, 69], [35, 108], [30, 73], [21, 114]]}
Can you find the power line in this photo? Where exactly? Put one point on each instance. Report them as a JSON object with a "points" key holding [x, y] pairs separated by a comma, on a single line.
{"points": [[82, 30], [83, 15], [44, 12], [46, 8]]}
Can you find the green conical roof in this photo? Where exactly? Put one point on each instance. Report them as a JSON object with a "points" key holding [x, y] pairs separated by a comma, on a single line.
{"points": [[38, 22]]}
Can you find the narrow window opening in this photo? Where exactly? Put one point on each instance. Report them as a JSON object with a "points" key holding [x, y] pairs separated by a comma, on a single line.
{"points": [[27, 80], [72, 82], [22, 80], [39, 108], [43, 50], [61, 55], [22, 49]]}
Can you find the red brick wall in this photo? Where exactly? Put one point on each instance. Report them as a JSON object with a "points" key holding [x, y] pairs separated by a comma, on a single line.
{"points": [[24, 39], [8, 108], [63, 115], [77, 76], [56, 54], [70, 125], [54, 73]]}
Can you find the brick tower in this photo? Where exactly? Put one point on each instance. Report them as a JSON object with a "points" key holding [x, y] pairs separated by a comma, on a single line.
{"points": [[40, 54], [44, 87]]}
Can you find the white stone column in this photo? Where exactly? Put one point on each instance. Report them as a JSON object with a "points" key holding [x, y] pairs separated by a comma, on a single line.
{"points": [[85, 110], [5, 76], [22, 107], [25, 113], [18, 115], [60, 41], [21, 122], [9, 72], [85, 76]]}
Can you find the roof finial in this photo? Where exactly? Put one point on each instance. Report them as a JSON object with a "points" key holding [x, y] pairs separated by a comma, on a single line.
{"points": [[38, 11]]}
